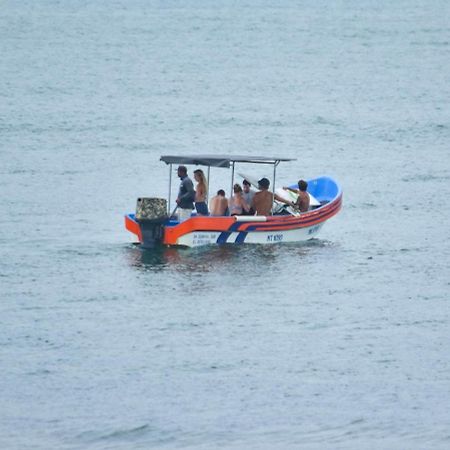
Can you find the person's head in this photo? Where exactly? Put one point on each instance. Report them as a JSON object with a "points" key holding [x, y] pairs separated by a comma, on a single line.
{"points": [[263, 183], [199, 176], [221, 192], [237, 188], [246, 185], [182, 171], [302, 185]]}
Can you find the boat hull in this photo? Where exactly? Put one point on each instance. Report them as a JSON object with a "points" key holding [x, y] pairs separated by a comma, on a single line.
{"points": [[200, 238]]}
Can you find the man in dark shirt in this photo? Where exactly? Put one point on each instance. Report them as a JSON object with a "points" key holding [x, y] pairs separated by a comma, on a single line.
{"points": [[186, 195]]}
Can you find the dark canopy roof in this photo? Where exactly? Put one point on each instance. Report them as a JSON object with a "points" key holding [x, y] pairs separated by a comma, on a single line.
{"points": [[221, 160]]}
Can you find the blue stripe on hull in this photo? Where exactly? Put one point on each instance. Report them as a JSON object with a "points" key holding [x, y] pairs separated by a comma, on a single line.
{"points": [[223, 237], [241, 237]]}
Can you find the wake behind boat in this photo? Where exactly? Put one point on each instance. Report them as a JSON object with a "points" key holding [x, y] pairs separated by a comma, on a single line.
{"points": [[154, 224]]}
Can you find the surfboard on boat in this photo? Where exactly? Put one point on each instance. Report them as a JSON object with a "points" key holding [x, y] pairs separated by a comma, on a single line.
{"points": [[252, 180], [285, 194], [288, 195]]}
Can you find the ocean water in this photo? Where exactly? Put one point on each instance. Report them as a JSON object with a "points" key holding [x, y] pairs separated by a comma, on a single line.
{"points": [[342, 342]]}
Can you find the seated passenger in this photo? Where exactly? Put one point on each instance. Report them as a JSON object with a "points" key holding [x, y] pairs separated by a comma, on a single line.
{"points": [[248, 195], [263, 200], [303, 200], [218, 205], [237, 204]]}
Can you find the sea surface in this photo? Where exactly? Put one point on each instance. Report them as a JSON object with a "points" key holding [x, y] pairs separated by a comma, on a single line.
{"points": [[339, 343]]}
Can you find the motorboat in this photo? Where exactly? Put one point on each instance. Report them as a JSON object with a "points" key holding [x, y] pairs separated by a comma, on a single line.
{"points": [[155, 223]]}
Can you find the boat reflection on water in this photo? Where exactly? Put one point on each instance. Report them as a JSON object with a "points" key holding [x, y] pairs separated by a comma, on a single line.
{"points": [[203, 259], [217, 258]]}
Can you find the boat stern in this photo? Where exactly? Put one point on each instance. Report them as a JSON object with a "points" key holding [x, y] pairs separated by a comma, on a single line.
{"points": [[132, 226]]}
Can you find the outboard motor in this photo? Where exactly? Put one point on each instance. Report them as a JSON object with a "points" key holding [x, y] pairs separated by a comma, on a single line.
{"points": [[151, 214]]}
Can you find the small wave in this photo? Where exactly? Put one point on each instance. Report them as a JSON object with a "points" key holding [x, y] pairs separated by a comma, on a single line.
{"points": [[412, 249], [40, 372], [420, 178], [132, 432], [319, 120], [430, 43], [338, 433], [119, 434], [365, 205]]}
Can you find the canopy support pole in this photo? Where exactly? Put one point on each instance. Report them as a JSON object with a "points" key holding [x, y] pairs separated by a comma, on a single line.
{"points": [[170, 188], [274, 180], [207, 189], [232, 179]]}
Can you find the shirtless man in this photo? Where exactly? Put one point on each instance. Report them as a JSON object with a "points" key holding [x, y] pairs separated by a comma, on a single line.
{"points": [[263, 200], [303, 200], [218, 205]]}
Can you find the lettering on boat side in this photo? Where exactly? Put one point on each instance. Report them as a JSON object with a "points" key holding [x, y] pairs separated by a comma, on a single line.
{"points": [[314, 229], [204, 238], [274, 238]]}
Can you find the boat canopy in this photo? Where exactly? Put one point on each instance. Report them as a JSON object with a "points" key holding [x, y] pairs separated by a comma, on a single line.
{"points": [[221, 160]]}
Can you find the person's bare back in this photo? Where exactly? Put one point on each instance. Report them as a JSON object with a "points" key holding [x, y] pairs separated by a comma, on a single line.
{"points": [[218, 204], [303, 201], [262, 203]]}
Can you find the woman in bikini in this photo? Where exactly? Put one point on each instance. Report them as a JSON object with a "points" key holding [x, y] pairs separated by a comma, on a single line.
{"points": [[201, 191], [237, 204]]}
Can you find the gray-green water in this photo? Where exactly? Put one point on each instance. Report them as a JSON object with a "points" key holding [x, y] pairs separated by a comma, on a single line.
{"points": [[338, 343]]}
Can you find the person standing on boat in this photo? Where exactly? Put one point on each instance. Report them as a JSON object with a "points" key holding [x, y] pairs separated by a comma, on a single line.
{"points": [[303, 200], [186, 195], [248, 194], [201, 191], [263, 200]]}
